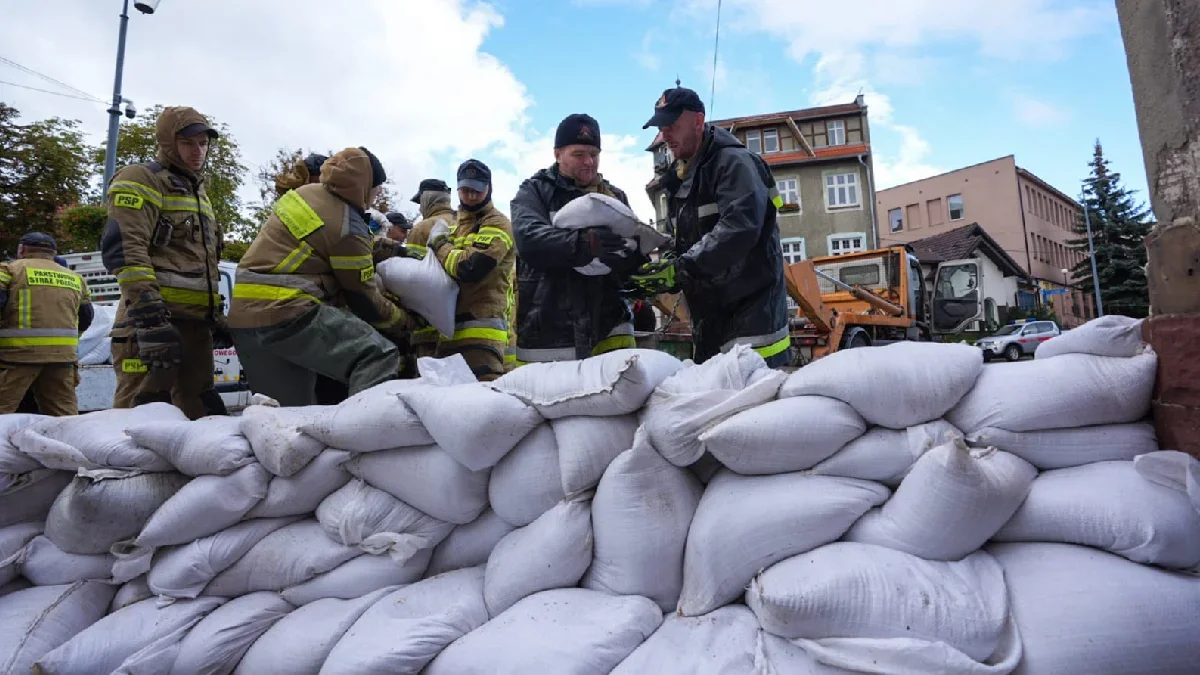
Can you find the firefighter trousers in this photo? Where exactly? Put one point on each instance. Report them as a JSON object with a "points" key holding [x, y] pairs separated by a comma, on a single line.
{"points": [[189, 385], [284, 360], [52, 384]]}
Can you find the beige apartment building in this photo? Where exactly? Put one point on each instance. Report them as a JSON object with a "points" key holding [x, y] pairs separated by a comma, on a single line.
{"points": [[1029, 219], [822, 164]]}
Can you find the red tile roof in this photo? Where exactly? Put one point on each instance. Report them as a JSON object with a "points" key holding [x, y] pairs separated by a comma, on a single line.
{"points": [[830, 152]]}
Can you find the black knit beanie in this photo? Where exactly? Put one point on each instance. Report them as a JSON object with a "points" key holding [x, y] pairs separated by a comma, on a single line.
{"points": [[577, 129], [378, 175]]}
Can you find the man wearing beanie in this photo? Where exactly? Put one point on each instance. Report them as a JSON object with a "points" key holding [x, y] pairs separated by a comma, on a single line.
{"points": [[305, 302], [433, 198], [728, 262], [561, 314], [477, 252]]}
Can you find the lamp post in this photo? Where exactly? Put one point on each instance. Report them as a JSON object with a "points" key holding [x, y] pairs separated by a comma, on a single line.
{"points": [[114, 113], [1087, 221]]}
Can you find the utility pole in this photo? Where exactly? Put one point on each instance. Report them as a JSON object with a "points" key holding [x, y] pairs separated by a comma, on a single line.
{"points": [[114, 113], [1087, 221]]}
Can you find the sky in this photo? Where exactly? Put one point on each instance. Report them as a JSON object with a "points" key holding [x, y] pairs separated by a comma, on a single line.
{"points": [[427, 84]]}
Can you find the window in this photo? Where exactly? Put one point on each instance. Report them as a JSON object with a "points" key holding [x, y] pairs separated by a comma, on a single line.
{"points": [[859, 275], [852, 242], [841, 190], [793, 249], [955, 202], [770, 140], [754, 142], [662, 206], [837, 132], [789, 190], [895, 220]]}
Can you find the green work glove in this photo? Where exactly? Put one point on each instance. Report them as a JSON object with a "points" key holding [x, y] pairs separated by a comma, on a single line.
{"points": [[159, 347], [656, 277]]}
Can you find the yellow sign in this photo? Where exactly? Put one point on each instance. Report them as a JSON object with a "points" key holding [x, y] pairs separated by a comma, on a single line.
{"points": [[366, 274], [128, 201], [133, 366], [40, 277]]}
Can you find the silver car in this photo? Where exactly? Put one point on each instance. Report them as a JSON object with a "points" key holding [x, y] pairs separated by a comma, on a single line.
{"points": [[1020, 338]]}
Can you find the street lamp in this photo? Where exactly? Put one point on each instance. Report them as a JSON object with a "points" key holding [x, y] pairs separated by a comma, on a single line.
{"points": [[114, 113], [1087, 221]]}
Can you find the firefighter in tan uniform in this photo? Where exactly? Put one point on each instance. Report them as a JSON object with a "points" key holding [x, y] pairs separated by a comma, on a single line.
{"points": [[478, 253], [43, 309], [433, 197], [163, 242], [306, 302]]}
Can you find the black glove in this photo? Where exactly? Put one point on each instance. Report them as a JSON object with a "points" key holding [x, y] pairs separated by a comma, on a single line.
{"points": [[599, 241], [221, 336], [624, 262], [148, 312], [159, 347]]}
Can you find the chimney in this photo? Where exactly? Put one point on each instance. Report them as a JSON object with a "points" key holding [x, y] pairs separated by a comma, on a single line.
{"points": [[859, 100]]}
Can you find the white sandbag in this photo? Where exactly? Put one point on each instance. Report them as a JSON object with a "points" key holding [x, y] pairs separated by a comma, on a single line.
{"points": [[359, 576], [469, 545], [954, 499], [699, 397], [13, 462], [288, 556], [96, 440], [136, 637], [587, 445], [528, 481], [888, 656], [789, 434], [551, 552], [131, 592], [403, 631], [615, 383], [475, 424], [640, 516], [427, 478], [423, 287], [205, 506], [100, 508], [1172, 469], [567, 631], [1072, 390], [897, 386], [595, 209], [209, 446], [1062, 448], [747, 523], [1086, 612], [45, 564], [887, 455], [299, 643], [184, 571], [853, 590], [37, 620], [370, 420], [12, 542], [18, 584], [301, 493], [275, 436], [722, 642], [217, 643], [367, 517], [446, 371], [30, 495], [1109, 335], [1109, 505]]}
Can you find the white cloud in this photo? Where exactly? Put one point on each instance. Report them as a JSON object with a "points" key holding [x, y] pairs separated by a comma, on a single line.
{"points": [[1035, 112], [645, 54], [908, 164]]}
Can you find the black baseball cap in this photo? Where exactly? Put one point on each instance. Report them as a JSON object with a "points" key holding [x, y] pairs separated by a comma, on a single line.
{"points": [[475, 175], [396, 218], [38, 240], [313, 163], [671, 105], [430, 185], [196, 128]]}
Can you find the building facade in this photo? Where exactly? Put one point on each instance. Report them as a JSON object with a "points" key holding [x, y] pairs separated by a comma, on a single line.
{"points": [[1029, 219], [822, 164]]}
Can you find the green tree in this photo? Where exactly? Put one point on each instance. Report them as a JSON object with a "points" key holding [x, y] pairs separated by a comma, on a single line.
{"points": [[82, 227], [224, 173], [1119, 226], [44, 166]]}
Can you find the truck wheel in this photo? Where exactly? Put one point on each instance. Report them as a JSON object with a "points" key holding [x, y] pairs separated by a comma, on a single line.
{"points": [[1012, 353], [858, 340]]}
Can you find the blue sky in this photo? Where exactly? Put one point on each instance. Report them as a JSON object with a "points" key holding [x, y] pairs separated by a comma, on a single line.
{"points": [[428, 83]]}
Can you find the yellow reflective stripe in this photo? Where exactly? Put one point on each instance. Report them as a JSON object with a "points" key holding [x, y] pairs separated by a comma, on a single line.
{"points": [[133, 366], [186, 296], [497, 232], [773, 349], [615, 342], [494, 334], [777, 200], [153, 196], [510, 358], [417, 247], [24, 309], [246, 291], [128, 275], [187, 204], [40, 277], [451, 263], [350, 262], [394, 319], [39, 342], [5, 278], [297, 215], [294, 260]]}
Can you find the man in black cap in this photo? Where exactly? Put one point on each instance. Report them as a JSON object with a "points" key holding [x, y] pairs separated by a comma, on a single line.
{"points": [[561, 314], [728, 261], [43, 309], [398, 227]]}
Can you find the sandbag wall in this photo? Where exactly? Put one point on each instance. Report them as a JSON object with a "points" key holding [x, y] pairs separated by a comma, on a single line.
{"points": [[901, 509]]}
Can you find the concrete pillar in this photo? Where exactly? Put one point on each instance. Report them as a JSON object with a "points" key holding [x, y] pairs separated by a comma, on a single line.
{"points": [[1162, 45]]}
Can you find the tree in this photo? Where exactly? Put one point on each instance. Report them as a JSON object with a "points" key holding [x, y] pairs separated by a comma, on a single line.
{"points": [[44, 166], [82, 227], [224, 173], [1119, 226]]}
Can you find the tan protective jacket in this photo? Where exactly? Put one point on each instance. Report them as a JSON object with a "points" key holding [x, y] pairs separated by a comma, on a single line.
{"points": [[40, 321], [481, 257]]}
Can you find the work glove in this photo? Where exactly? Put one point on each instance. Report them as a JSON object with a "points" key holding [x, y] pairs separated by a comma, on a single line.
{"points": [[220, 333], [599, 241], [439, 234], [147, 312], [159, 347], [624, 262], [656, 277]]}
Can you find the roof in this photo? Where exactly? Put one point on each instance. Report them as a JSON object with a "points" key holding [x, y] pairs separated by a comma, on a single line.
{"points": [[819, 154], [963, 242], [802, 114], [658, 140], [1048, 187]]}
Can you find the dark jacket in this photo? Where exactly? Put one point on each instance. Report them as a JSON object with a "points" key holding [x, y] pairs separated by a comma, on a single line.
{"points": [[558, 308], [722, 214]]}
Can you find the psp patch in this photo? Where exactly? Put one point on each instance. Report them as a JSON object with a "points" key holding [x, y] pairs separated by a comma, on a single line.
{"points": [[128, 201]]}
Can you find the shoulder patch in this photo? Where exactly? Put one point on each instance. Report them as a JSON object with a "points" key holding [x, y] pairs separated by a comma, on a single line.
{"points": [[128, 201]]}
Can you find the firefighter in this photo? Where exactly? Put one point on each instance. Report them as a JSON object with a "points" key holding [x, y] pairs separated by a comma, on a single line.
{"points": [[561, 314], [305, 301], [43, 308], [433, 198], [398, 227], [728, 261], [162, 241], [477, 251]]}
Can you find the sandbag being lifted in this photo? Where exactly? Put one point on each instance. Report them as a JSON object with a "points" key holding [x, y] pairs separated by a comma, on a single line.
{"points": [[600, 210], [423, 287]]}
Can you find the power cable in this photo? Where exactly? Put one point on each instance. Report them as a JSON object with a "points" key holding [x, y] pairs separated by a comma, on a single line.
{"points": [[712, 95], [47, 91], [64, 85]]}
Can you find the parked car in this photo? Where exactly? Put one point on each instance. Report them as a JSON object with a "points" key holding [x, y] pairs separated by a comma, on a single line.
{"points": [[1017, 339]]}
